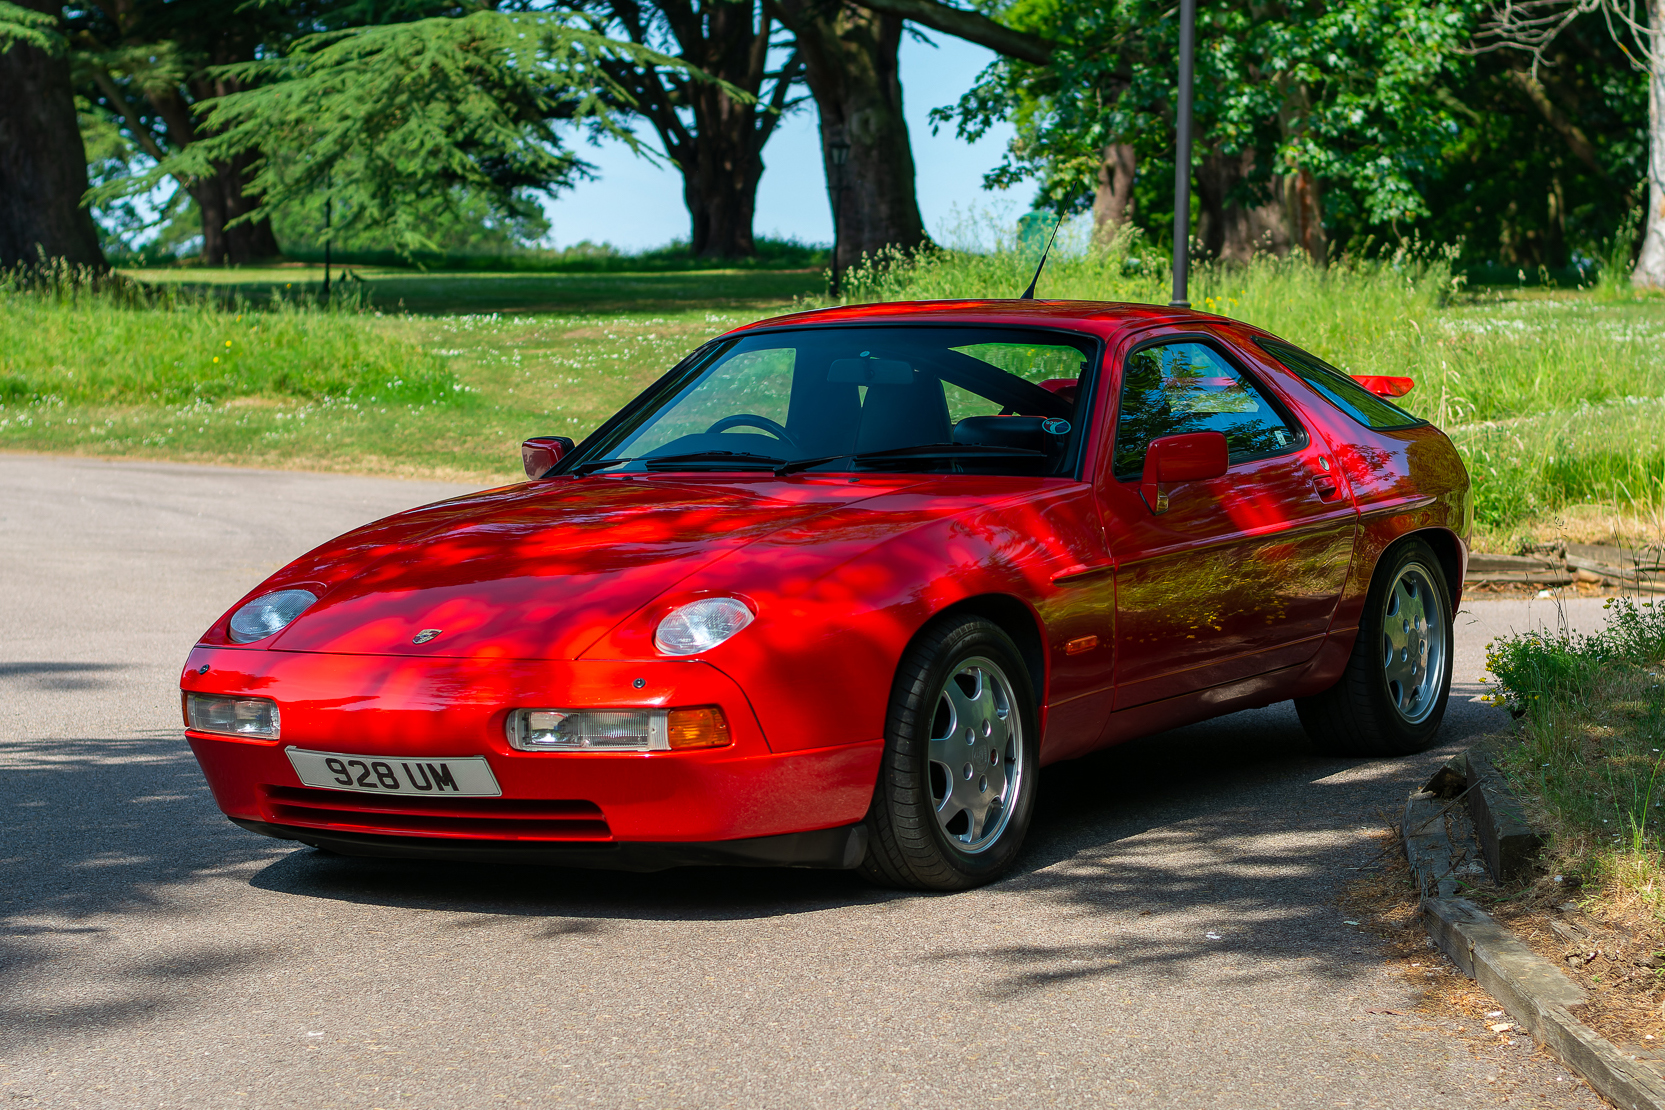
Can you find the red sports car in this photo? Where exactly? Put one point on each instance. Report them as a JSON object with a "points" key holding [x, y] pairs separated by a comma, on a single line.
{"points": [[836, 587]]}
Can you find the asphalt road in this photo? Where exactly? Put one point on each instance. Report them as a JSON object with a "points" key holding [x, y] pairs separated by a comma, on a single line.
{"points": [[1170, 938]]}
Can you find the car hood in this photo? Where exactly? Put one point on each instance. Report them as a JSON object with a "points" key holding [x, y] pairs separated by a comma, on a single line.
{"points": [[540, 570]]}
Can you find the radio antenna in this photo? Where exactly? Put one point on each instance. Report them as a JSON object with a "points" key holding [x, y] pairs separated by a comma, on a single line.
{"points": [[1029, 293]]}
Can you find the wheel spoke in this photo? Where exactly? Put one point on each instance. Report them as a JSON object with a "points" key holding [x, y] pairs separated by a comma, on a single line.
{"points": [[1413, 648], [971, 754]]}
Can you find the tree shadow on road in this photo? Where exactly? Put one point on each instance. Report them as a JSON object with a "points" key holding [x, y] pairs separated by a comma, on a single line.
{"points": [[1226, 841]]}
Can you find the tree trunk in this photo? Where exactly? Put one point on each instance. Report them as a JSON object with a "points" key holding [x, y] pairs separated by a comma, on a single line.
{"points": [[1303, 216], [43, 164], [1231, 230], [1650, 265], [1113, 198], [850, 63], [220, 200], [722, 160]]}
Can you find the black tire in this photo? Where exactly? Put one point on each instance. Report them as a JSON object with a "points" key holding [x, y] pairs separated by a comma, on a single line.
{"points": [[1370, 711], [916, 836]]}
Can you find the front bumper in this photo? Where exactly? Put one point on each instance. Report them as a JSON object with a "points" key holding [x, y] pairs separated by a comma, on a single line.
{"points": [[623, 809]]}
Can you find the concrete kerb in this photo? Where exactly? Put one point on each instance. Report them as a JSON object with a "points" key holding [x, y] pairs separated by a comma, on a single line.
{"points": [[1533, 991]]}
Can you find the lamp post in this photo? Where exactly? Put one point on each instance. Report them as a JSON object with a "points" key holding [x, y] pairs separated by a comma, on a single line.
{"points": [[329, 202], [838, 155], [1182, 157]]}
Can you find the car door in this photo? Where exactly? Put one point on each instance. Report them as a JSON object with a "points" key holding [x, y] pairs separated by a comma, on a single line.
{"points": [[1235, 576]]}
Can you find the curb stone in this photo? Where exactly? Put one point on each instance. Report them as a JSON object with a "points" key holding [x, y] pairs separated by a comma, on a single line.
{"points": [[1530, 988], [1510, 844]]}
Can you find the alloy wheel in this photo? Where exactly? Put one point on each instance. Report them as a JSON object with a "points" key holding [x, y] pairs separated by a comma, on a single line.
{"points": [[975, 755]]}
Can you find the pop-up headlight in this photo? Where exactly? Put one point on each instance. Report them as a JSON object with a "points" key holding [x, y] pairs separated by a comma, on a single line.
{"points": [[269, 615], [701, 625]]}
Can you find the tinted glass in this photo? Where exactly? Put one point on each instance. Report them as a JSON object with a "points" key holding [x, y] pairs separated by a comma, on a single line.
{"points": [[1339, 389], [1188, 387], [985, 400]]}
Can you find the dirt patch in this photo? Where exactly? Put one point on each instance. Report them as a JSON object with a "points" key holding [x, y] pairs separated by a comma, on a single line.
{"points": [[1611, 954]]}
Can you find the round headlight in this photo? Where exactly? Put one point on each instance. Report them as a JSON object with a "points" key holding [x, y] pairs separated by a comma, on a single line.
{"points": [[266, 616], [701, 625]]}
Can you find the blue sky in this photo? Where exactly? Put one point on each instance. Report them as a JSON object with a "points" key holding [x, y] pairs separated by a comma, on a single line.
{"points": [[634, 204]]}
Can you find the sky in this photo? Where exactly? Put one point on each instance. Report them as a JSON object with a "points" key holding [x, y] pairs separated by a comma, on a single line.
{"points": [[634, 204]]}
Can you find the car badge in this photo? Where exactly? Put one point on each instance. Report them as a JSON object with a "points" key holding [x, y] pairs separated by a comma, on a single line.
{"points": [[425, 635], [1055, 427]]}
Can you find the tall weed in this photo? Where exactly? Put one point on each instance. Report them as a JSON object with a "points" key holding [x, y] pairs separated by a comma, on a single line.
{"points": [[1589, 758]]}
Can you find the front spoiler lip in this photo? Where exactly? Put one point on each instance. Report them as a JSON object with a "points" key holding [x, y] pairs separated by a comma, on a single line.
{"points": [[840, 848]]}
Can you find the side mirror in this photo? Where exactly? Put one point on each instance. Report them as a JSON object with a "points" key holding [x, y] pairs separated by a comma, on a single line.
{"points": [[540, 454], [1192, 457]]}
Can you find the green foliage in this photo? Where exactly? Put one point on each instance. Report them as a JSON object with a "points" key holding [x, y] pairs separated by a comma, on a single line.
{"points": [[1345, 90], [1588, 758], [69, 337], [401, 122], [31, 28]]}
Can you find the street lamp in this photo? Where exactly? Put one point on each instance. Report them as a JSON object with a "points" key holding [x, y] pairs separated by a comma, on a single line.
{"points": [[838, 155], [1182, 158]]}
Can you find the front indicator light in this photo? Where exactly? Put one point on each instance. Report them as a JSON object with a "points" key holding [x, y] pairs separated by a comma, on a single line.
{"points": [[616, 730], [230, 716], [701, 727], [701, 625]]}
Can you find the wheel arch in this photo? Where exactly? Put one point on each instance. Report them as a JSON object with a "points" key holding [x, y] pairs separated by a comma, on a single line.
{"points": [[1449, 552], [1015, 619]]}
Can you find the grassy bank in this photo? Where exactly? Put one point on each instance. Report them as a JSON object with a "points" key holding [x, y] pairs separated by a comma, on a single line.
{"points": [[1588, 759], [1556, 397]]}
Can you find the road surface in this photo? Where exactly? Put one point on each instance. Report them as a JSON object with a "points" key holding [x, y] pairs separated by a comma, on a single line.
{"points": [[1170, 938]]}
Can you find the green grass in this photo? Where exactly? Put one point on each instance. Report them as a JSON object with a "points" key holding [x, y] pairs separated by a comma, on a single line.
{"points": [[1587, 758], [402, 290], [1556, 397]]}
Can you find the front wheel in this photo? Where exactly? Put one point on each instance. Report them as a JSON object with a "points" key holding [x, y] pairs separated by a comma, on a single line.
{"points": [[1392, 696], [957, 784]]}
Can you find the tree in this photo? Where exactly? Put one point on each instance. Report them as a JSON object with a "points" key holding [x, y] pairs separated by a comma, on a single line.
{"points": [[43, 165], [150, 64], [714, 137], [401, 121], [1533, 26], [850, 57], [1305, 110]]}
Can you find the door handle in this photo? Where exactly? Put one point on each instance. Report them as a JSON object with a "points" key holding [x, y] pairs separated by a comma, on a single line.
{"points": [[1325, 485]]}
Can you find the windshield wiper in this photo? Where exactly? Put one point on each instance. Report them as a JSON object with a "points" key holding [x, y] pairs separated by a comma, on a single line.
{"points": [[594, 465], [712, 460]]}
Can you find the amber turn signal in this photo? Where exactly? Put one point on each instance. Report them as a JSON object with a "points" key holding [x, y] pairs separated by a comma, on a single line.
{"points": [[701, 727]]}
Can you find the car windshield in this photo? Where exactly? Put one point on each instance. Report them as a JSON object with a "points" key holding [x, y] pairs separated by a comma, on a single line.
{"points": [[947, 399]]}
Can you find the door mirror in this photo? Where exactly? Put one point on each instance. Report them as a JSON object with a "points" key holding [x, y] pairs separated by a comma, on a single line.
{"points": [[540, 454], [1192, 457]]}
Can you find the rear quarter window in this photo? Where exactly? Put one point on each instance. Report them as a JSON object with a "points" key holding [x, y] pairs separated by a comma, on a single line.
{"points": [[1339, 389]]}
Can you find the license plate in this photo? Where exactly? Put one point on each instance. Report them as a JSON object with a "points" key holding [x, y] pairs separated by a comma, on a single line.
{"points": [[455, 777]]}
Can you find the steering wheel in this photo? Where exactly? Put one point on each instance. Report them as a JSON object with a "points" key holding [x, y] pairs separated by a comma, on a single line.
{"points": [[752, 420]]}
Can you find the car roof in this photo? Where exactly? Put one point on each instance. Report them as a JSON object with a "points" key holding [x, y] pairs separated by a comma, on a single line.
{"points": [[1102, 318]]}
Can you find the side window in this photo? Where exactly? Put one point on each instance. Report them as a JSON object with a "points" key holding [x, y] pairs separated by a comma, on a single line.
{"points": [[1188, 387], [1339, 389]]}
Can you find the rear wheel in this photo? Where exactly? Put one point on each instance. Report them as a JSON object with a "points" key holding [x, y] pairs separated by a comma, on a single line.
{"points": [[956, 787], [1392, 696]]}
